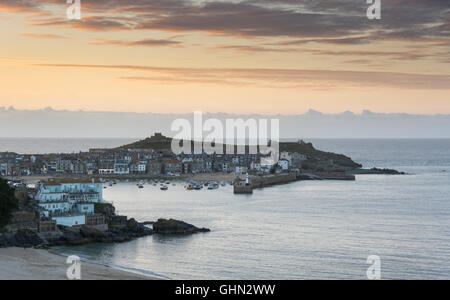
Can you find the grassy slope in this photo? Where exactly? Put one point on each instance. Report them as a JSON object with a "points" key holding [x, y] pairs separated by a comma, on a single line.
{"points": [[303, 148]]}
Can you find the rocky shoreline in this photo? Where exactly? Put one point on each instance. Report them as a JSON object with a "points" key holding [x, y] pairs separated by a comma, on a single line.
{"points": [[375, 171], [73, 236]]}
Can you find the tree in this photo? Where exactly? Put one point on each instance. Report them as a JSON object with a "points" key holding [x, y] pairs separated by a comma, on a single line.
{"points": [[8, 203]]}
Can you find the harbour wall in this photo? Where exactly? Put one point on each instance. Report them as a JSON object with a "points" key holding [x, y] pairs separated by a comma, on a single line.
{"points": [[269, 180]]}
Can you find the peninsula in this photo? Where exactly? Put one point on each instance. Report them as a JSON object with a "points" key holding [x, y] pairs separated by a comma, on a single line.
{"points": [[66, 206]]}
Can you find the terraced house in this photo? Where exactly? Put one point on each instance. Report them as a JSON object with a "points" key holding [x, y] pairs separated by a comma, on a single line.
{"points": [[68, 201]]}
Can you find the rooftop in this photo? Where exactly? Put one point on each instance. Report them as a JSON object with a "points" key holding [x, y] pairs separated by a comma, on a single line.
{"points": [[59, 181]]}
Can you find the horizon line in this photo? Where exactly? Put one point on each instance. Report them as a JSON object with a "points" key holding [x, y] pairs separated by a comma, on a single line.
{"points": [[11, 108]]}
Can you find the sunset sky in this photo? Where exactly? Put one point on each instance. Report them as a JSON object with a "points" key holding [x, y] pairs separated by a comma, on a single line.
{"points": [[259, 56]]}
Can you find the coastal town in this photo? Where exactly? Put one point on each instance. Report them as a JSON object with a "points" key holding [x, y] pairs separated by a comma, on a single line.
{"points": [[61, 195], [159, 161], [51, 200]]}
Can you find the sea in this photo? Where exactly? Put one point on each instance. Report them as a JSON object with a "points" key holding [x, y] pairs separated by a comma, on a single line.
{"points": [[302, 230]]}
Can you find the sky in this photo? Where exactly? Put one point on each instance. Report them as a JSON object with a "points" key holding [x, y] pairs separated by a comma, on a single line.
{"points": [[244, 57]]}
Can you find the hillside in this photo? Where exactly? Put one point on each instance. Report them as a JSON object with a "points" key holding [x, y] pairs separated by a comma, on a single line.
{"points": [[155, 142], [159, 142], [309, 150]]}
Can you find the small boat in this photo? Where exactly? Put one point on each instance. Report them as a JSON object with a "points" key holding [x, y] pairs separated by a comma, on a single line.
{"points": [[213, 186], [164, 188]]}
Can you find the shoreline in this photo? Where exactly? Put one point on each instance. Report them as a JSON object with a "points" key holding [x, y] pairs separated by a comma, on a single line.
{"points": [[139, 272], [132, 177], [40, 264], [347, 175]]}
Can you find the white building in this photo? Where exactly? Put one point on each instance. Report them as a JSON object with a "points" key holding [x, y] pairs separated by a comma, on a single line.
{"points": [[70, 220], [293, 157], [121, 168], [241, 169], [105, 171], [142, 166], [68, 201], [139, 167], [225, 167], [255, 166], [283, 164], [285, 155]]}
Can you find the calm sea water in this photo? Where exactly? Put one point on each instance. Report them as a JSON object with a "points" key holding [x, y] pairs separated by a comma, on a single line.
{"points": [[303, 230], [59, 145]]}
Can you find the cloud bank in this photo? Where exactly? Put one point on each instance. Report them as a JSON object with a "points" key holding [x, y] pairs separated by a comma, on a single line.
{"points": [[313, 124]]}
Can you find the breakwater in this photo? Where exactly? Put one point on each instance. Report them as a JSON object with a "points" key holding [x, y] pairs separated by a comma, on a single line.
{"points": [[269, 180]]}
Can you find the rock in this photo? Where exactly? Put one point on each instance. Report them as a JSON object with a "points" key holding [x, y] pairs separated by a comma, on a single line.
{"points": [[26, 238], [388, 171], [74, 238], [92, 233], [163, 226], [133, 225], [6, 240], [105, 209], [375, 171]]}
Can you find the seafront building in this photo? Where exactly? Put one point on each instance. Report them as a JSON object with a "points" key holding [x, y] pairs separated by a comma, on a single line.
{"points": [[153, 162], [69, 202]]}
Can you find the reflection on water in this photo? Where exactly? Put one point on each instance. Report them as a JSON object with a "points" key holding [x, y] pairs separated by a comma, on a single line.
{"points": [[303, 230]]}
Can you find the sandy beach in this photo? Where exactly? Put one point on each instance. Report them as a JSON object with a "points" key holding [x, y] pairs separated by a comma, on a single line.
{"points": [[211, 177], [39, 264], [196, 177]]}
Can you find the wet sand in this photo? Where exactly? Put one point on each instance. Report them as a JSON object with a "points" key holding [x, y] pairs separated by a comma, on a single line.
{"points": [[39, 264]]}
